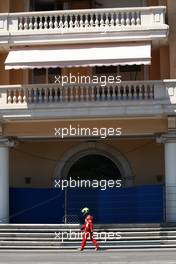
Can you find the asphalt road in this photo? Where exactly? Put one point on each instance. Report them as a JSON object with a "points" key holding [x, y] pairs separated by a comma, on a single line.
{"points": [[124, 257]]}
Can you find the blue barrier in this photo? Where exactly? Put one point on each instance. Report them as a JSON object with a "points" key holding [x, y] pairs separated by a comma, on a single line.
{"points": [[140, 204], [29, 205]]}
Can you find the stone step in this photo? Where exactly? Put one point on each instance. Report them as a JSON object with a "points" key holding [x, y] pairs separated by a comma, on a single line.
{"points": [[78, 231], [12, 229], [154, 225], [48, 233], [16, 243], [41, 242], [134, 249], [126, 246], [80, 238], [102, 226], [99, 237], [43, 237], [25, 238]]}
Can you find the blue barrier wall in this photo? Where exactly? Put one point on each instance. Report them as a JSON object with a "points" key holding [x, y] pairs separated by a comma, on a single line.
{"points": [[141, 204], [36, 205]]}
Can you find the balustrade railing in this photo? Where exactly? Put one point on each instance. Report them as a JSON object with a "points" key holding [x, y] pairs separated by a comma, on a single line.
{"points": [[85, 20], [78, 21], [124, 93], [53, 93]]}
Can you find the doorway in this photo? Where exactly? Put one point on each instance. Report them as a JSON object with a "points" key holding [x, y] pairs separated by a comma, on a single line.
{"points": [[95, 161], [92, 173]]}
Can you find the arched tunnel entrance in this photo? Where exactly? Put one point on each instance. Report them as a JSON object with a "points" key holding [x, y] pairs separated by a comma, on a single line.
{"points": [[93, 173]]}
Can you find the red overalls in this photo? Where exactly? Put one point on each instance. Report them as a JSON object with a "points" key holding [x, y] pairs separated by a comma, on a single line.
{"points": [[88, 232]]}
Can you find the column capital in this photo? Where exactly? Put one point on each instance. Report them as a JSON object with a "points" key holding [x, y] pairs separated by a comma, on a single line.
{"points": [[5, 142], [167, 138]]}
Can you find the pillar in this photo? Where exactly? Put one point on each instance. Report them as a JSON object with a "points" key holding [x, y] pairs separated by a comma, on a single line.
{"points": [[4, 181], [170, 176]]}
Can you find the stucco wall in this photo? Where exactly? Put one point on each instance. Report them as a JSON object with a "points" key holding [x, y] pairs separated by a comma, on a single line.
{"points": [[172, 37], [18, 5], [4, 75], [4, 6], [38, 160]]}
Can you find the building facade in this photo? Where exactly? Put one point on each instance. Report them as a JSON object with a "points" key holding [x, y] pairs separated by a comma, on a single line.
{"points": [[87, 92]]}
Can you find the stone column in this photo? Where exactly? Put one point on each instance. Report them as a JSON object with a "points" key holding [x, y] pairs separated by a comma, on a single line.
{"points": [[4, 181], [169, 141]]}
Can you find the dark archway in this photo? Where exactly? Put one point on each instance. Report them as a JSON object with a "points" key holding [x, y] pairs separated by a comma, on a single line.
{"points": [[94, 167], [94, 160], [63, 167]]}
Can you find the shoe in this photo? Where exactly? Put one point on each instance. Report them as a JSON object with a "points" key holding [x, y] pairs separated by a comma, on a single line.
{"points": [[80, 249]]}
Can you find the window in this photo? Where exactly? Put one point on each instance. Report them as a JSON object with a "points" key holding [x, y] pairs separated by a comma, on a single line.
{"points": [[52, 72], [106, 70], [27, 180], [40, 76], [131, 72], [119, 3], [46, 5], [127, 72]]}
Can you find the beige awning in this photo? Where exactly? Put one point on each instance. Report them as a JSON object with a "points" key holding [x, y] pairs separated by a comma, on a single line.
{"points": [[79, 56]]}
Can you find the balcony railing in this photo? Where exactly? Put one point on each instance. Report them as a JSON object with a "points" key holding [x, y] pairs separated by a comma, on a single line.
{"points": [[88, 19], [41, 94], [49, 94], [78, 21], [85, 21]]}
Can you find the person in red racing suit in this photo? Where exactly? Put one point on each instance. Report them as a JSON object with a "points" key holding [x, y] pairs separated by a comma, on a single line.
{"points": [[88, 229]]}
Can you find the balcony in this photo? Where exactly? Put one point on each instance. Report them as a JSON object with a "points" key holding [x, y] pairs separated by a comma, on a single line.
{"points": [[135, 98], [88, 25]]}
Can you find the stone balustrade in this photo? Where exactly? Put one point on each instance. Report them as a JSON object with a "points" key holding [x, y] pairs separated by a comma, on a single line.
{"points": [[44, 94], [87, 20], [78, 26]]}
